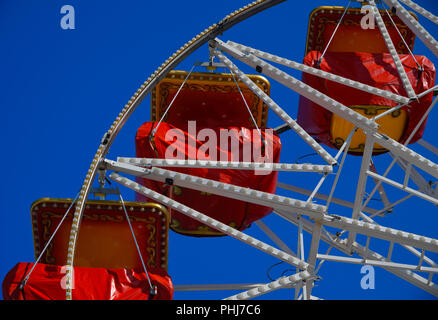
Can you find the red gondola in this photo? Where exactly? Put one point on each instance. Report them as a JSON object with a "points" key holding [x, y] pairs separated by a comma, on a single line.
{"points": [[360, 54], [210, 101]]}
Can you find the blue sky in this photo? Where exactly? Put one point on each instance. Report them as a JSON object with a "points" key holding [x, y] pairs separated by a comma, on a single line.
{"points": [[62, 89]]}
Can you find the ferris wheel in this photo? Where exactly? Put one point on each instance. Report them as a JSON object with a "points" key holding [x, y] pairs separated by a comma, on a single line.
{"points": [[207, 164]]}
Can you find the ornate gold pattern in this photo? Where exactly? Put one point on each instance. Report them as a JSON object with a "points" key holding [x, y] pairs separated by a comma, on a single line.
{"points": [[151, 245], [317, 46], [208, 82]]}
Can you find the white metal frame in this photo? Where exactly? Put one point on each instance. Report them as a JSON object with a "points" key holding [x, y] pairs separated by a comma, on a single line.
{"points": [[306, 215]]}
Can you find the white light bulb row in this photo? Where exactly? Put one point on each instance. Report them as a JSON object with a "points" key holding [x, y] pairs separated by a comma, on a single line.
{"points": [[407, 154], [391, 48], [283, 282], [217, 225], [413, 24], [277, 109], [320, 73], [304, 167], [305, 90], [119, 122], [421, 10], [220, 188], [378, 231], [239, 193]]}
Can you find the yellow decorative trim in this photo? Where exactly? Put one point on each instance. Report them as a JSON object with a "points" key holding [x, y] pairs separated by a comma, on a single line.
{"points": [[403, 28], [340, 128], [202, 230], [219, 82], [103, 205]]}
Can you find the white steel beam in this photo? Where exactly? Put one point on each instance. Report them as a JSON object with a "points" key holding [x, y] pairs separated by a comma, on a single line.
{"points": [[284, 282], [416, 177], [312, 257], [380, 232], [428, 146], [399, 146], [372, 230], [320, 73], [403, 187], [274, 237], [382, 193], [321, 196], [407, 154], [277, 109], [421, 10], [216, 287], [413, 24], [293, 167], [407, 275], [220, 188], [409, 248], [300, 87], [212, 223], [391, 48], [367, 125], [377, 263], [362, 182]]}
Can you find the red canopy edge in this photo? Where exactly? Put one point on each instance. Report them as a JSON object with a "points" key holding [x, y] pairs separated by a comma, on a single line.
{"points": [[47, 282], [374, 69], [236, 213]]}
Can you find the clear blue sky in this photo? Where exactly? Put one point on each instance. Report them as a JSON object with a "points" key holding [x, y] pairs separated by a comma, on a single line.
{"points": [[60, 90]]}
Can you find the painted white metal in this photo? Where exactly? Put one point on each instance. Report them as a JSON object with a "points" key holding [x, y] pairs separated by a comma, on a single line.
{"points": [[428, 146], [414, 25], [402, 187], [362, 182], [391, 48], [220, 188], [180, 163], [408, 140], [214, 287], [421, 10], [272, 286], [313, 253], [300, 87], [277, 109], [212, 223], [377, 263], [320, 73], [324, 197], [109, 137], [380, 232], [407, 154], [315, 212], [382, 192], [274, 237], [409, 248], [389, 207], [340, 244], [371, 230], [423, 185], [348, 114]]}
